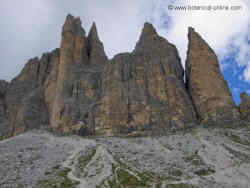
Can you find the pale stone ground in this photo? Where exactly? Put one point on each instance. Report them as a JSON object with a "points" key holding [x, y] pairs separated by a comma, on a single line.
{"points": [[199, 157]]}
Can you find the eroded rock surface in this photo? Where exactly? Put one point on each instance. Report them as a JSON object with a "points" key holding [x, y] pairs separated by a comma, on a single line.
{"points": [[76, 89], [206, 85], [144, 90], [28, 99]]}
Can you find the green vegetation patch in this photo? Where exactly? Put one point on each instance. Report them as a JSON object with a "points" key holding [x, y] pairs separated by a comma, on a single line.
{"points": [[85, 159], [180, 185], [4, 137], [204, 172], [238, 139], [126, 177], [176, 172], [59, 180], [194, 159]]}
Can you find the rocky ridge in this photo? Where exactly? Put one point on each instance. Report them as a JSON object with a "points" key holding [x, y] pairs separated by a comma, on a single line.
{"points": [[77, 89]]}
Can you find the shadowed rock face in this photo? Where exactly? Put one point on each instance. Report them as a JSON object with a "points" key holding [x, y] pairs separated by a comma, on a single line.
{"points": [[76, 89], [3, 109], [205, 83], [245, 106], [25, 101]]}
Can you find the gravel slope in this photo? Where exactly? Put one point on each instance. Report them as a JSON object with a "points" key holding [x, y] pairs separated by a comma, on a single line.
{"points": [[199, 157]]}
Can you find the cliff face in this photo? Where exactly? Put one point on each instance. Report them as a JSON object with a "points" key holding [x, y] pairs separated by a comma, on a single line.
{"points": [[76, 89], [25, 98], [206, 85], [78, 86], [144, 90]]}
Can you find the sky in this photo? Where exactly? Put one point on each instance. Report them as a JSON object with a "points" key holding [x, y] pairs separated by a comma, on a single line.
{"points": [[30, 28]]}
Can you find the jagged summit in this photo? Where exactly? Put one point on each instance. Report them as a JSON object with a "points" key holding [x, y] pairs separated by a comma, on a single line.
{"points": [[148, 29], [209, 91], [76, 89], [93, 34], [96, 50], [191, 29], [148, 35], [151, 42], [74, 25]]}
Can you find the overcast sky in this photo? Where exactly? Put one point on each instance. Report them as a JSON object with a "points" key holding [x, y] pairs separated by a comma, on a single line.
{"points": [[29, 28]]}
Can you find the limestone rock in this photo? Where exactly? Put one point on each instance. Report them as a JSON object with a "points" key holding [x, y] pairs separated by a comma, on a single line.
{"points": [[32, 112], [206, 85], [95, 48], [157, 49], [19, 88], [51, 81], [4, 128], [25, 101], [3, 87], [245, 106], [144, 90], [76, 89], [79, 77]]}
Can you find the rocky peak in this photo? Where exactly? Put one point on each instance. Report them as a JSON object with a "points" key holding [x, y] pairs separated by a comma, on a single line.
{"points": [[148, 30], [30, 71], [144, 90], [196, 41], [206, 85], [77, 89], [93, 34], [96, 51], [147, 38], [159, 50], [73, 25]]}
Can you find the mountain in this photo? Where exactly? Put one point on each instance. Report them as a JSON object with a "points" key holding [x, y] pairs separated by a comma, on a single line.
{"points": [[147, 122], [77, 89]]}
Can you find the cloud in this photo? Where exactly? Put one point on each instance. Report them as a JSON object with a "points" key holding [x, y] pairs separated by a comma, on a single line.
{"points": [[22, 25], [32, 27], [222, 29]]}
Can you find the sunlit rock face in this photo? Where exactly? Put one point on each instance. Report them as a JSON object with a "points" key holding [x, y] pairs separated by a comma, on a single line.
{"points": [[207, 87], [78, 86], [138, 91], [77, 89], [144, 90]]}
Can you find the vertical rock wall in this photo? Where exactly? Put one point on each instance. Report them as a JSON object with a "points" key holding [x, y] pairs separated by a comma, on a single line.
{"points": [[76, 89], [209, 90]]}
